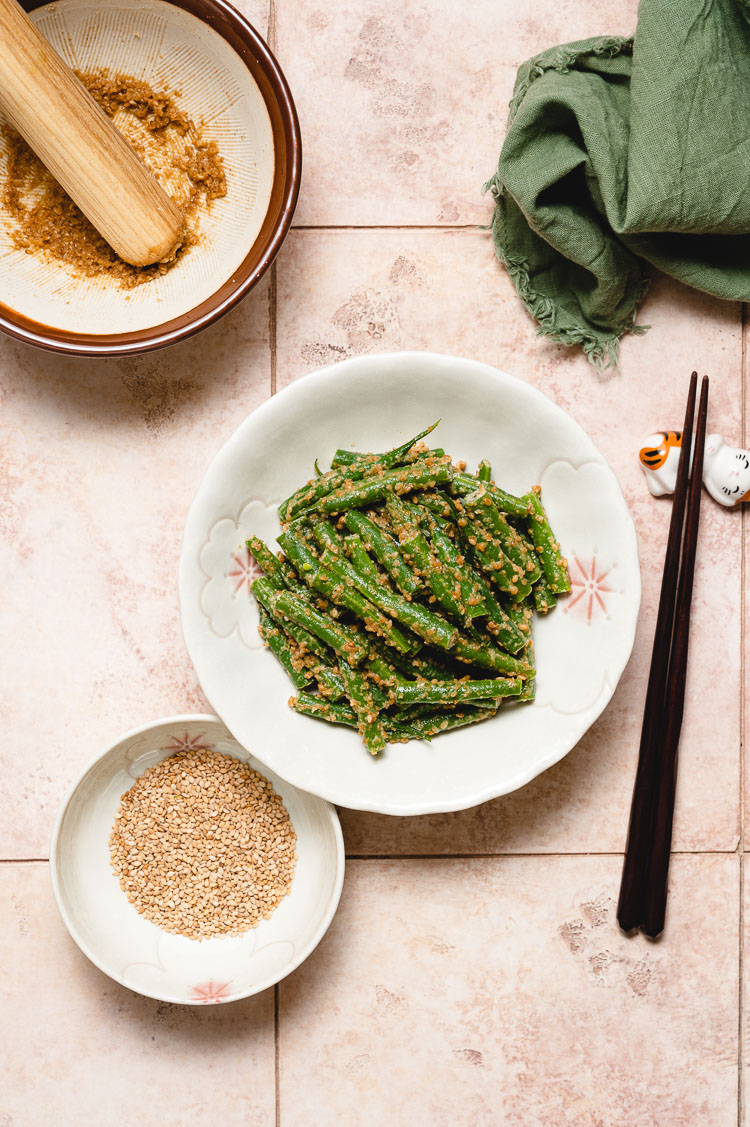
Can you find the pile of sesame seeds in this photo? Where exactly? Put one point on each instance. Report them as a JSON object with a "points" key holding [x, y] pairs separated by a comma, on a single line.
{"points": [[203, 846]]}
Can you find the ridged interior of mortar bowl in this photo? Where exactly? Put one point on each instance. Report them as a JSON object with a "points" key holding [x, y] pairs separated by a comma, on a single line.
{"points": [[174, 50]]}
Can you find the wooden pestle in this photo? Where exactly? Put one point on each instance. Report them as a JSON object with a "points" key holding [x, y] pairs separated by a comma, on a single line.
{"points": [[80, 146]]}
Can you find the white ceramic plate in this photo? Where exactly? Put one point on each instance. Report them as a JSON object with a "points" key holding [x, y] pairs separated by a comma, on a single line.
{"points": [[373, 403], [137, 953]]}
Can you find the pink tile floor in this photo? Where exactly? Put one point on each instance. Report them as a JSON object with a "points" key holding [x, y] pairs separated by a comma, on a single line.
{"points": [[474, 974]]}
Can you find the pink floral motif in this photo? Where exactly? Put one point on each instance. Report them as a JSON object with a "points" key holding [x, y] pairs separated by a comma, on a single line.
{"points": [[210, 991], [588, 589], [244, 569], [185, 743]]}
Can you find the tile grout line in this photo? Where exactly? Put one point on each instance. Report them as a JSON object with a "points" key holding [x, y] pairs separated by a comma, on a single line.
{"points": [[24, 860], [740, 956], [272, 359], [271, 40], [740, 1013], [457, 856], [276, 1069], [388, 227], [272, 327], [271, 37], [489, 856]]}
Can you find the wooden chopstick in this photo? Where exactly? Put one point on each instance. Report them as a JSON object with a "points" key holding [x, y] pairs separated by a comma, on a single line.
{"points": [[656, 894], [666, 678]]}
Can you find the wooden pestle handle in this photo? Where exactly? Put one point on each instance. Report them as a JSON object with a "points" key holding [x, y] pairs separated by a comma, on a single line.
{"points": [[80, 146]]}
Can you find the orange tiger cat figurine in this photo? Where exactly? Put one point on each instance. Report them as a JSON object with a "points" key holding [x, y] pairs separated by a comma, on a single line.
{"points": [[726, 469]]}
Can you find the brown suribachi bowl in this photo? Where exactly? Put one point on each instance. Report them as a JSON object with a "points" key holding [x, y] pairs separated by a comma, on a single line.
{"points": [[210, 53]]}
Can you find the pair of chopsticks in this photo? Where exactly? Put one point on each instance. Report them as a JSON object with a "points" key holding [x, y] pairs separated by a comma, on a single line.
{"points": [[643, 891]]}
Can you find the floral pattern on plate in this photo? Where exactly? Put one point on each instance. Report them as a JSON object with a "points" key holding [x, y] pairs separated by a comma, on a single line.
{"points": [[229, 568], [589, 591], [589, 621]]}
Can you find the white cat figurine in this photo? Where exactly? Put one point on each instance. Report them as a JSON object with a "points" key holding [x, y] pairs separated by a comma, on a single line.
{"points": [[726, 469]]}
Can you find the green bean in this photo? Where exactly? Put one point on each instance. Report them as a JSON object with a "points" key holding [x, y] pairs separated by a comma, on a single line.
{"points": [[266, 559], [529, 691], [383, 670], [360, 694], [331, 585], [441, 505], [385, 549], [402, 516], [522, 616], [348, 458], [554, 565], [544, 600], [499, 623], [393, 457], [357, 494], [412, 712], [429, 692], [429, 727], [275, 569], [309, 493], [341, 478], [342, 639], [421, 621], [506, 502], [304, 639], [483, 509], [302, 559], [420, 665], [336, 713], [309, 705], [390, 458], [360, 558], [340, 593], [356, 457], [350, 612], [398, 731], [326, 536], [291, 577], [278, 645], [443, 583], [488, 554], [448, 552], [489, 657], [329, 683]]}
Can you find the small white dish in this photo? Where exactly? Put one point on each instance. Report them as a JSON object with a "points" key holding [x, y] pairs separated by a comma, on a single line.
{"points": [[138, 954], [374, 403]]}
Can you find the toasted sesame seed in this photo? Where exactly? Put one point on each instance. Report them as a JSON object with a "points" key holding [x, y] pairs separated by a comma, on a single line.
{"points": [[202, 845]]}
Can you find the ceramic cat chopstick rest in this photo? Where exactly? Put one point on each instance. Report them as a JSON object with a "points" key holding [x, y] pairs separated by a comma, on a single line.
{"points": [[726, 470]]}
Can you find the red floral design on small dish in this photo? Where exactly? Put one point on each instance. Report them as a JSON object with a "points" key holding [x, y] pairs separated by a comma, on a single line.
{"points": [[185, 743], [209, 992]]}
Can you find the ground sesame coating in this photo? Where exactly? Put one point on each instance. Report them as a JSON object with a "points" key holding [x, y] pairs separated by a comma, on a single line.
{"points": [[415, 584]]}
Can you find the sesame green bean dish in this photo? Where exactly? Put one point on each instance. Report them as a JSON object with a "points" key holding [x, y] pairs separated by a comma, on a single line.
{"points": [[403, 598]]}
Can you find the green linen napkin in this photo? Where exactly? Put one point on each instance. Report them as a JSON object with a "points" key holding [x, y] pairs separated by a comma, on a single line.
{"points": [[623, 152]]}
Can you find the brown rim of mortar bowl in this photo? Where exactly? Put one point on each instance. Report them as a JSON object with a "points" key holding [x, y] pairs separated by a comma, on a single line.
{"points": [[253, 51]]}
